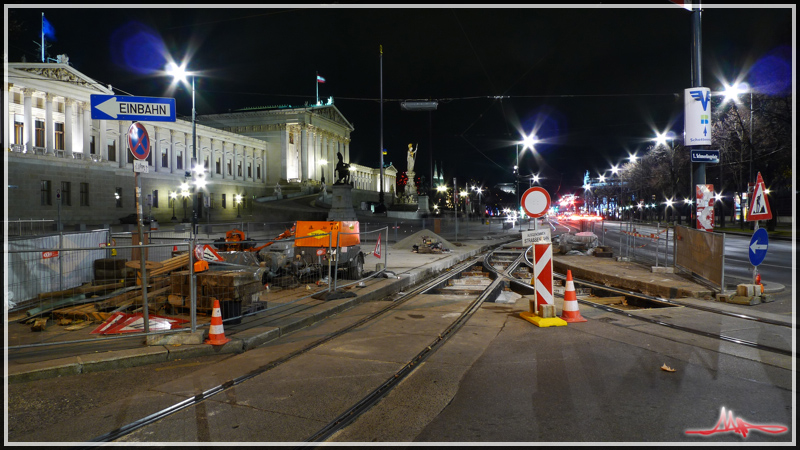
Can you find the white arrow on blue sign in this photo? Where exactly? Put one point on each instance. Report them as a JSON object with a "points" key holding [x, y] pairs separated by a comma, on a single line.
{"points": [[758, 246], [124, 107]]}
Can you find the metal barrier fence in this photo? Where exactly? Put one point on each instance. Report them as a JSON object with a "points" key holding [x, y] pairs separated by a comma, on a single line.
{"points": [[149, 301], [701, 254], [44, 263], [30, 227], [91, 307]]}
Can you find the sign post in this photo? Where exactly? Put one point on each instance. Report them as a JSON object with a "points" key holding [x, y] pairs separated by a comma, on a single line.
{"points": [[758, 210], [139, 145]]}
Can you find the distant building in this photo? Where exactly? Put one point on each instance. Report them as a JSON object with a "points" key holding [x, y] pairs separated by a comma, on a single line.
{"points": [[508, 188], [55, 152]]}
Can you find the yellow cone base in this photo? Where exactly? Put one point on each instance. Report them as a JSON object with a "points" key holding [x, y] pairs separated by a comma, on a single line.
{"points": [[541, 321]]}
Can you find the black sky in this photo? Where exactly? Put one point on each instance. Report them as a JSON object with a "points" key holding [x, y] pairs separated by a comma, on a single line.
{"points": [[597, 81]]}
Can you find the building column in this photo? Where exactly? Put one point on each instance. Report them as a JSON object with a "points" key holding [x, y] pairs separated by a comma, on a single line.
{"points": [[101, 146], [264, 165], [68, 135], [347, 152], [49, 128], [224, 162], [87, 128], [28, 111], [120, 148], [158, 148]]}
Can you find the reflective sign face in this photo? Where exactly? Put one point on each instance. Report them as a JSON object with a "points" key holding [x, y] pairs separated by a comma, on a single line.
{"points": [[138, 141], [535, 202]]}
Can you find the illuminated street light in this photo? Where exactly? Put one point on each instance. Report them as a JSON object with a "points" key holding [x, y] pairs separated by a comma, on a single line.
{"points": [[238, 200], [174, 196], [180, 74]]}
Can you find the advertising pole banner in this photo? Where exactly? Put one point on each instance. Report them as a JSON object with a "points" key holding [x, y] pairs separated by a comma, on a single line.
{"points": [[705, 207], [697, 113]]}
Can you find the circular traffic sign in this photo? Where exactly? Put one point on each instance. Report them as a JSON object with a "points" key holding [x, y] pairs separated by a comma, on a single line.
{"points": [[758, 246], [535, 202], [138, 141]]}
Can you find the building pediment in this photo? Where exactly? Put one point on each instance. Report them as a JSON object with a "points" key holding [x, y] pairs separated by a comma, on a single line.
{"points": [[332, 113], [58, 72]]}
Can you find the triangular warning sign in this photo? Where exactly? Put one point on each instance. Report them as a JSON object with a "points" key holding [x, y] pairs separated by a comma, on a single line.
{"points": [[759, 205], [207, 253], [377, 251]]}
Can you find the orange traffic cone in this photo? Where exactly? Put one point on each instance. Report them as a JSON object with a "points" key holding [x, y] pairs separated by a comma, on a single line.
{"points": [[216, 335], [570, 311]]}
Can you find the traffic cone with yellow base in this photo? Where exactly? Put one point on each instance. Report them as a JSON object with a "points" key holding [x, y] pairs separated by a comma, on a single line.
{"points": [[570, 312], [216, 335]]}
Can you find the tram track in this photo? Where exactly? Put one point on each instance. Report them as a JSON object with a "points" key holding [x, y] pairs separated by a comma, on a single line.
{"points": [[595, 287], [363, 404]]}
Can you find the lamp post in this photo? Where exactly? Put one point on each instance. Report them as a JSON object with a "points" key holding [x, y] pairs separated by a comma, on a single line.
{"points": [[528, 142], [179, 73], [185, 194], [173, 196], [661, 139]]}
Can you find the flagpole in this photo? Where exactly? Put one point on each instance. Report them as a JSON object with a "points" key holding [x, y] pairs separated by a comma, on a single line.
{"points": [[381, 207], [317, 83], [42, 37]]}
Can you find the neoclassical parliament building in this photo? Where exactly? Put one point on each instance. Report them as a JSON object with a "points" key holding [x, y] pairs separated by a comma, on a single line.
{"points": [[56, 152]]}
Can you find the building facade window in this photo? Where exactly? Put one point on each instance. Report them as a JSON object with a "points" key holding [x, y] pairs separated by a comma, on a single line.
{"points": [[92, 150], [239, 169], [112, 150], [39, 140], [219, 168], [258, 172], [179, 161], [19, 132], [84, 194], [118, 197], [155, 198], [224, 203], [59, 136], [249, 170], [66, 195], [230, 170], [164, 158], [46, 188]]}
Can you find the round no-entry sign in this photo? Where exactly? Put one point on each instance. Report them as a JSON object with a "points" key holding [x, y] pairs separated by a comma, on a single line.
{"points": [[535, 202], [138, 141]]}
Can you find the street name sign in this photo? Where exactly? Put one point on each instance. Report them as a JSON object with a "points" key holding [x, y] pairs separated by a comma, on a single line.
{"points": [[706, 156], [759, 244], [125, 107], [535, 237]]}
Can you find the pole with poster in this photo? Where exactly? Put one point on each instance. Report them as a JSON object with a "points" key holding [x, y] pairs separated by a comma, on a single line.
{"points": [[759, 209]]}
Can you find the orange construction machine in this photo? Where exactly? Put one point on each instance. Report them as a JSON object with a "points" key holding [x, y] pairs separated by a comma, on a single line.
{"points": [[315, 244]]}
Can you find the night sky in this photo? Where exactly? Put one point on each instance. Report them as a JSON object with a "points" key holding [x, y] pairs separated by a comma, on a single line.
{"points": [[594, 83]]}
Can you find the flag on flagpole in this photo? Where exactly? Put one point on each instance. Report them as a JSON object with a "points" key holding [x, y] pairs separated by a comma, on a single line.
{"points": [[320, 79], [377, 251]]}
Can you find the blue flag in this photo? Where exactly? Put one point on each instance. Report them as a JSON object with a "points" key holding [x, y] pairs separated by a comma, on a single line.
{"points": [[47, 29]]}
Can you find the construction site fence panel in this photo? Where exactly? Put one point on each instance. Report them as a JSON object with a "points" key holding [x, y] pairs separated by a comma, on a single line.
{"points": [[701, 254], [41, 264]]}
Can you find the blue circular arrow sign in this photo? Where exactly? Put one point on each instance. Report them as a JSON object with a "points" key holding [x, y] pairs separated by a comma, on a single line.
{"points": [[758, 246]]}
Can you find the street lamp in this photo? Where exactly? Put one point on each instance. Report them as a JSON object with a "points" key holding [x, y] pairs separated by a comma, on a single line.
{"points": [[173, 195], [179, 73], [238, 200], [661, 139], [322, 163], [528, 142], [185, 194], [732, 93]]}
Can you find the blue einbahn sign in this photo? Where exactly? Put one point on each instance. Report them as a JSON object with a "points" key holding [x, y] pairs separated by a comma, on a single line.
{"points": [[125, 107], [759, 244]]}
